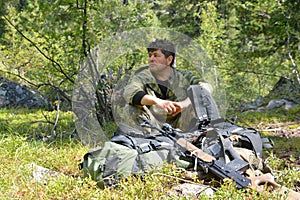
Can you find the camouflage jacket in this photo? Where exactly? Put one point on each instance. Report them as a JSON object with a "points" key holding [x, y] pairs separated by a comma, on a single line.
{"points": [[177, 84]]}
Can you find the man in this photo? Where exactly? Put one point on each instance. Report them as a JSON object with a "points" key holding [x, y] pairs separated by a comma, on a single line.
{"points": [[159, 91]]}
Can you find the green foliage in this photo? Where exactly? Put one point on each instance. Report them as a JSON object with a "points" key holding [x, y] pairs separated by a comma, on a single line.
{"points": [[262, 55], [182, 16], [251, 43], [45, 42]]}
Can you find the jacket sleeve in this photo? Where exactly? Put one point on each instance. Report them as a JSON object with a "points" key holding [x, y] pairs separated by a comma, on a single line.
{"points": [[135, 86], [193, 79]]}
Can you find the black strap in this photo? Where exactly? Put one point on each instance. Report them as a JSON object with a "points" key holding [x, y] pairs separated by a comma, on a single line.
{"points": [[254, 139], [195, 94], [142, 145], [125, 140], [268, 143]]}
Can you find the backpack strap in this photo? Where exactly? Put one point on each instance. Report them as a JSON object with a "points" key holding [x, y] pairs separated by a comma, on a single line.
{"points": [[195, 95], [141, 145], [251, 139], [204, 106], [254, 138], [268, 143], [125, 140]]}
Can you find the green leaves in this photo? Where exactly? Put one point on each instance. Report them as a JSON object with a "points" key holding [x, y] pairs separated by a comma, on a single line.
{"points": [[252, 43], [46, 41]]}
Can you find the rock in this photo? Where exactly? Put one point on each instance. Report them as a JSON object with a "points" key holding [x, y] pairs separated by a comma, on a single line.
{"points": [[41, 174], [15, 95], [187, 190], [272, 104], [286, 88], [277, 103], [286, 92], [259, 101]]}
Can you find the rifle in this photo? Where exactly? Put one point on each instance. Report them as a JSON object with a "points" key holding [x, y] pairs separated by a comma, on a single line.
{"points": [[219, 169]]}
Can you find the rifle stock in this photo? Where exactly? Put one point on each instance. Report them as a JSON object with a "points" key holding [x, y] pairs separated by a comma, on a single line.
{"points": [[214, 166], [195, 150]]}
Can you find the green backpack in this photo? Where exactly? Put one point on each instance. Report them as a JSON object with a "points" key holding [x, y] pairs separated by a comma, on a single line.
{"points": [[124, 155]]}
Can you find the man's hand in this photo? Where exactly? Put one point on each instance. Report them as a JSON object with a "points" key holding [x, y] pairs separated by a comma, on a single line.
{"points": [[180, 106], [169, 107], [174, 108]]}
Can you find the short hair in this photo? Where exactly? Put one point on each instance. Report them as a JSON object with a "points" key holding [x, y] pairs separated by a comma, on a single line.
{"points": [[166, 47]]}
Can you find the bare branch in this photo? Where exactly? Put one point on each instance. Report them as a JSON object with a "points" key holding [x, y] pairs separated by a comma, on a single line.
{"points": [[295, 70], [53, 132], [84, 28]]}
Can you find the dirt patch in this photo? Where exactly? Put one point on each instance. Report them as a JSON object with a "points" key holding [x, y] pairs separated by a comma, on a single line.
{"points": [[289, 131], [284, 130]]}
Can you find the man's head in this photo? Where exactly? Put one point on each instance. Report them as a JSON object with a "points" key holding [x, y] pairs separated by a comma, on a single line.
{"points": [[165, 46]]}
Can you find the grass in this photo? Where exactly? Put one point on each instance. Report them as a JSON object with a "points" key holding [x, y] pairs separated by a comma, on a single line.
{"points": [[64, 154]]}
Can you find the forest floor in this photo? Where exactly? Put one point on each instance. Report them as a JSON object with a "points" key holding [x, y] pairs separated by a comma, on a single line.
{"points": [[284, 131], [63, 154]]}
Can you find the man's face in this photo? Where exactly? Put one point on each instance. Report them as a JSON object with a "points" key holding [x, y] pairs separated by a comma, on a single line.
{"points": [[157, 61]]}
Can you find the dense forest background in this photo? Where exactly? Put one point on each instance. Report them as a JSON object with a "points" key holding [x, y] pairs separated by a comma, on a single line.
{"points": [[252, 43]]}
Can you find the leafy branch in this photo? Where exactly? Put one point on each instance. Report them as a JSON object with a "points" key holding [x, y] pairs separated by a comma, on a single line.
{"points": [[59, 67]]}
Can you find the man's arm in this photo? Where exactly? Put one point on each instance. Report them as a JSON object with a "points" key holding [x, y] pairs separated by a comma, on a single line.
{"points": [[169, 107]]}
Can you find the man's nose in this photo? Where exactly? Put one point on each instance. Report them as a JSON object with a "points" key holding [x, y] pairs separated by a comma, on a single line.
{"points": [[151, 58]]}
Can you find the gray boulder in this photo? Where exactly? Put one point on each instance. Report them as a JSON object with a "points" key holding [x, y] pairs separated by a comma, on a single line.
{"points": [[14, 95]]}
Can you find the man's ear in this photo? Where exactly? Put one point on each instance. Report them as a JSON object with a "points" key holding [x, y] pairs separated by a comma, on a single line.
{"points": [[170, 59]]}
